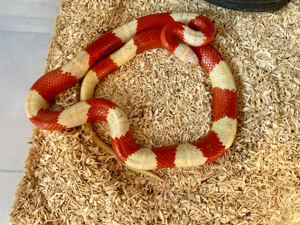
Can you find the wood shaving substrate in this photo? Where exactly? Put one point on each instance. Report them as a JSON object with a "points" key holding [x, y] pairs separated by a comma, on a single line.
{"points": [[68, 180]]}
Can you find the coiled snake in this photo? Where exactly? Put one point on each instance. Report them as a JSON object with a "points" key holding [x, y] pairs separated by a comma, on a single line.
{"points": [[112, 50]]}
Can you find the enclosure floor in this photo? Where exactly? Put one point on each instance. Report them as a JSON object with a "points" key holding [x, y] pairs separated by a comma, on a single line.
{"points": [[68, 180]]}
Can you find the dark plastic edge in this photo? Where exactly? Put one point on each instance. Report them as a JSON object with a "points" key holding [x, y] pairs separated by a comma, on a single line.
{"points": [[261, 7]]}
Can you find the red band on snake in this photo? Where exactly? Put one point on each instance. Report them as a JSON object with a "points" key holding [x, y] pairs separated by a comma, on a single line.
{"points": [[112, 50]]}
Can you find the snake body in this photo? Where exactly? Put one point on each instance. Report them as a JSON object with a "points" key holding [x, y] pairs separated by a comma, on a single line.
{"points": [[115, 48]]}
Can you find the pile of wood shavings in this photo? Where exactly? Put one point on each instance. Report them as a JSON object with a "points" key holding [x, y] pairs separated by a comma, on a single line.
{"points": [[68, 180]]}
